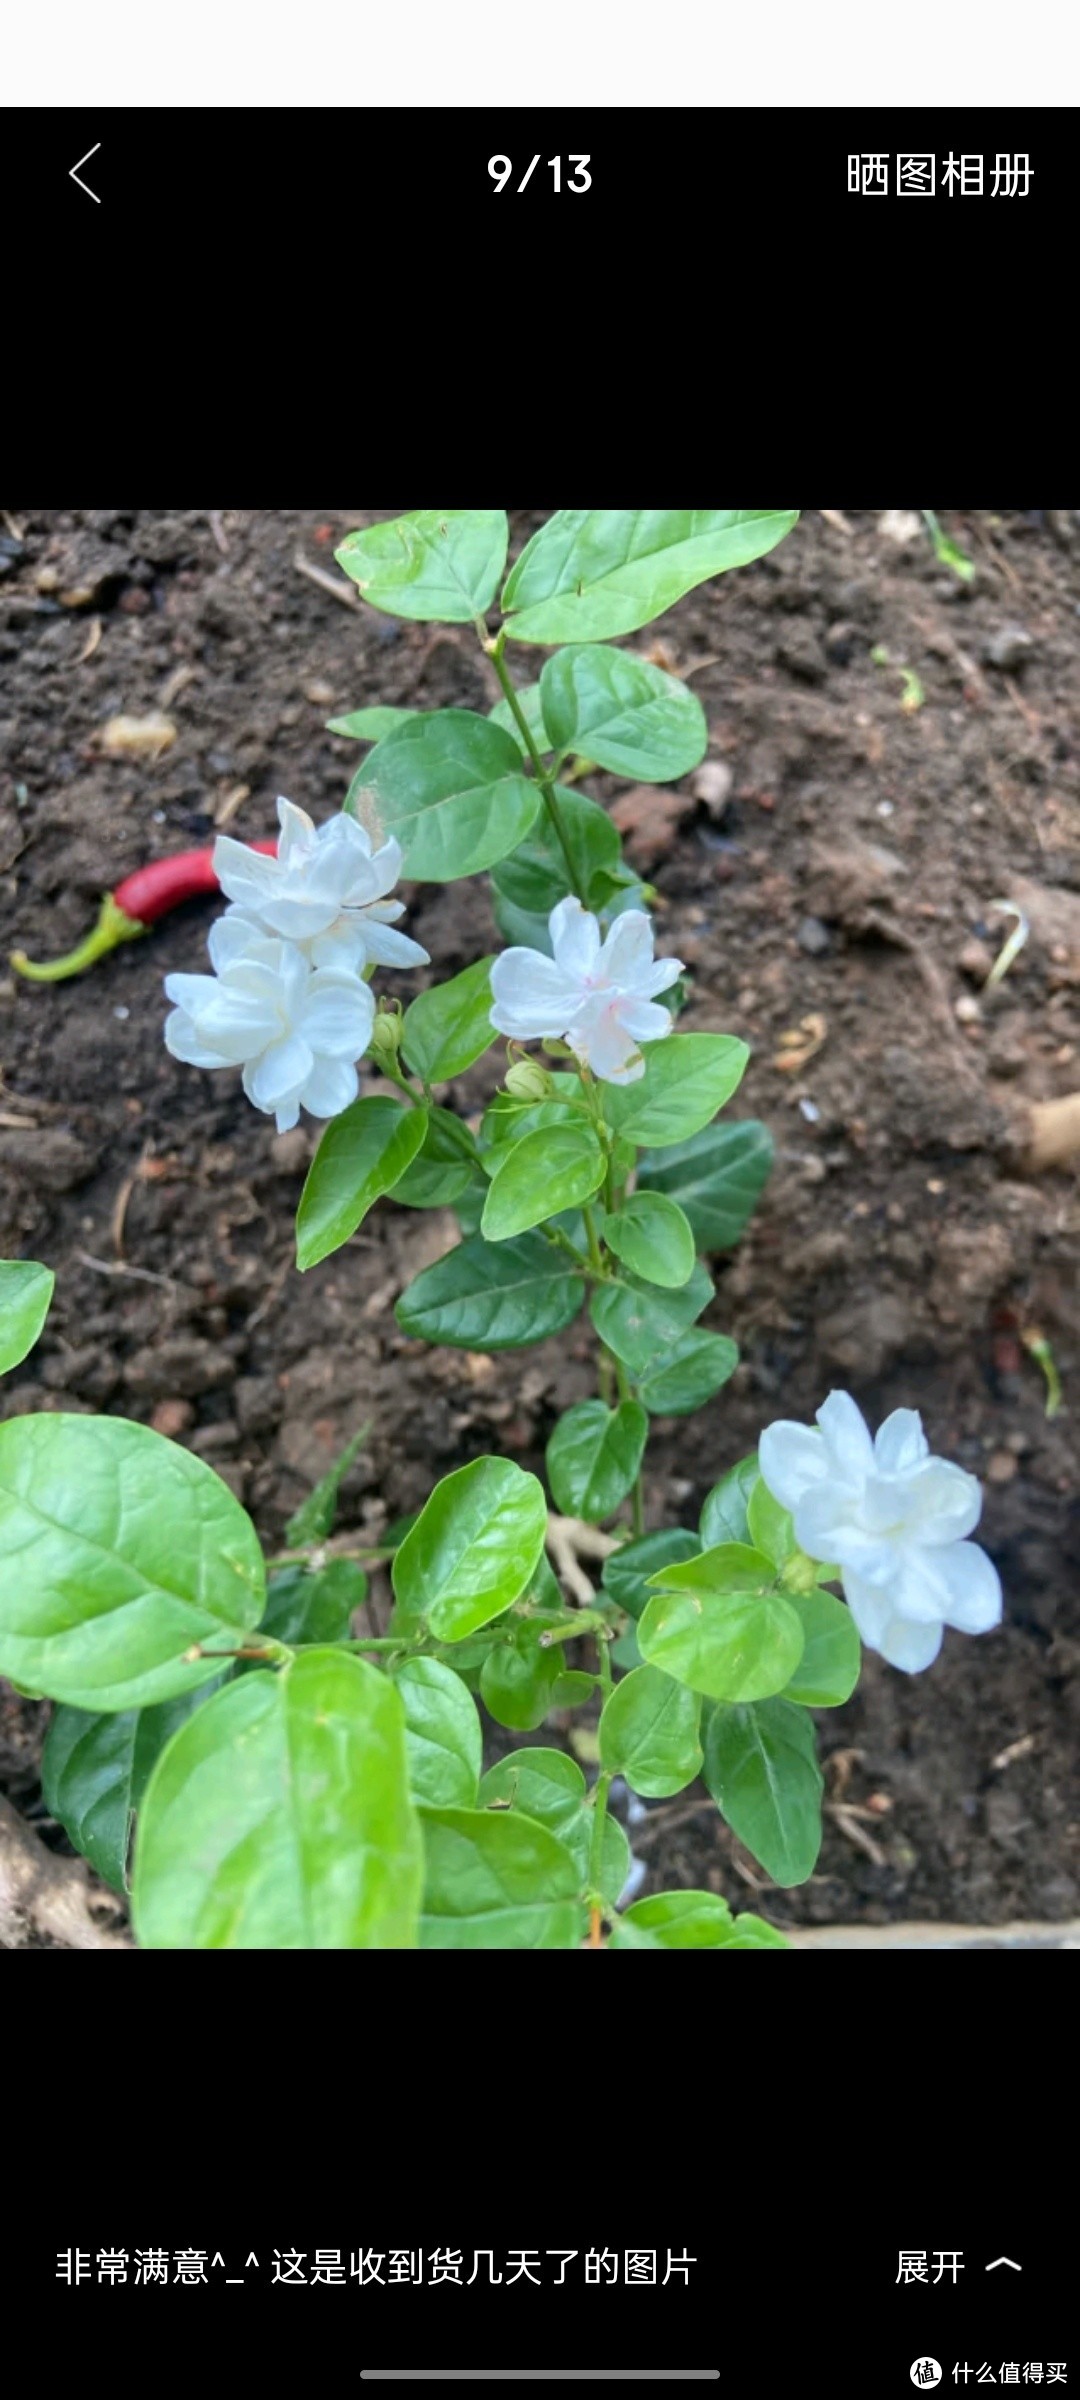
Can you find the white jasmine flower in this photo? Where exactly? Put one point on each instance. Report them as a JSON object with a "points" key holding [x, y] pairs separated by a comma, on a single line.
{"points": [[296, 1031], [325, 891], [599, 997], [894, 1520]]}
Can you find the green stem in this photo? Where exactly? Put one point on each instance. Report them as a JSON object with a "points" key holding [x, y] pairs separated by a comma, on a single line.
{"points": [[596, 1846], [544, 776]]}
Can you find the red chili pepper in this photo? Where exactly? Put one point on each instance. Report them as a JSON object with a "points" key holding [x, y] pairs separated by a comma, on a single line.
{"points": [[133, 907]]}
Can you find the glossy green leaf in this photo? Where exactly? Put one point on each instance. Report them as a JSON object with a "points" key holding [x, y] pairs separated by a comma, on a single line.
{"points": [[497, 1880], [716, 1623], [314, 1518], [591, 574], [484, 1298], [535, 1178], [548, 1786], [508, 1119], [528, 700], [534, 878], [677, 1921], [573, 1688], [771, 1527], [449, 786], [622, 712], [761, 1768], [725, 1517], [446, 1169], [649, 1733], [442, 1734], [26, 1292], [687, 1374], [279, 1818], [447, 1028], [653, 1238], [361, 1155], [94, 1771], [828, 1670], [638, 1321], [716, 1177], [472, 1550], [516, 1684], [371, 724], [687, 1078], [307, 1606], [123, 1552], [594, 1456], [626, 1573], [441, 563]]}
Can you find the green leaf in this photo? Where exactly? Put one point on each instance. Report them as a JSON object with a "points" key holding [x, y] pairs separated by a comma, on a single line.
{"points": [[653, 1238], [550, 1788], [371, 724], [677, 1921], [594, 1456], [626, 1573], [26, 1291], [761, 1768], [771, 1527], [688, 1076], [472, 1550], [361, 1155], [447, 1028], [516, 1685], [638, 1322], [302, 1606], [828, 1670], [534, 878], [535, 1178], [449, 786], [725, 1516], [441, 563], [716, 1623], [528, 700], [573, 1689], [279, 1818], [442, 1734], [480, 1298], [694, 1368], [446, 1168], [716, 1177], [130, 1551], [591, 574], [649, 1733], [752, 1933], [94, 1771], [496, 1880], [626, 714], [508, 1119], [314, 1518]]}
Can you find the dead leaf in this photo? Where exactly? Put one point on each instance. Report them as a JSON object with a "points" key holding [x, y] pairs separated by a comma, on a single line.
{"points": [[137, 737], [800, 1043]]}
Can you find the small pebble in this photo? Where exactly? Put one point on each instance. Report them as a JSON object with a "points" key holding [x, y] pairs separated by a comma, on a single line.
{"points": [[810, 1110], [1000, 1466], [122, 1013], [1008, 648], [813, 936], [975, 960], [712, 784], [885, 808], [967, 1009]]}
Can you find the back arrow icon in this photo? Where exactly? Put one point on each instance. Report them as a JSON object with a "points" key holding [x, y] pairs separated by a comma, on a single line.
{"points": [[1003, 2262], [77, 178]]}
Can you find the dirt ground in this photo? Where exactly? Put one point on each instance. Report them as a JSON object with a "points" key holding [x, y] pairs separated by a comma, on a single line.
{"points": [[837, 888]]}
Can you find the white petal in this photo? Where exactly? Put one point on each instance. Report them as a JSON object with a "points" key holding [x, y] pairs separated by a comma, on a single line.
{"points": [[627, 954], [660, 977], [298, 912], [389, 948], [235, 935], [900, 1442], [182, 1040], [343, 947], [828, 1526], [280, 1074], [645, 1019], [792, 1459], [608, 1049], [532, 997], [963, 1583], [387, 911], [287, 1116], [338, 1017], [192, 992], [575, 940], [298, 834], [847, 1438], [331, 1086], [909, 1646], [246, 876], [942, 1503], [904, 1642]]}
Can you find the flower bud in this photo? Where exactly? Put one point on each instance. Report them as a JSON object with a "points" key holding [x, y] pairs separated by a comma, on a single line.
{"points": [[528, 1081], [385, 1038]]}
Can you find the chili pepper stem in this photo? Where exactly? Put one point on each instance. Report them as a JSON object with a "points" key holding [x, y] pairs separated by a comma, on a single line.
{"points": [[113, 927]]}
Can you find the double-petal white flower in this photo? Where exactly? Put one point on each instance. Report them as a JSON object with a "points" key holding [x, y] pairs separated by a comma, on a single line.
{"points": [[325, 891], [893, 1519], [296, 1031], [597, 996]]}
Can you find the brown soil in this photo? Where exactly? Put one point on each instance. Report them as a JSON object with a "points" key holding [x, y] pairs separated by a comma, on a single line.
{"points": [[848, 879]]}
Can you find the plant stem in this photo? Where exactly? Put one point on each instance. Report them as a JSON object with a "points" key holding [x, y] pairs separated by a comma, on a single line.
{"points": [[596, 1846], [545, 778]]}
